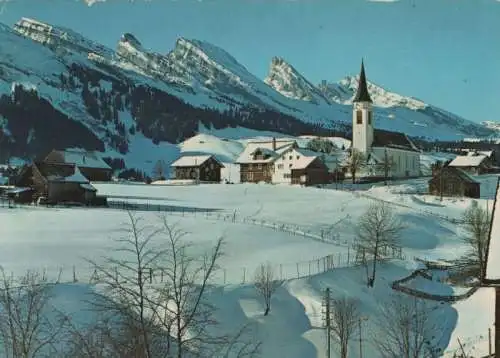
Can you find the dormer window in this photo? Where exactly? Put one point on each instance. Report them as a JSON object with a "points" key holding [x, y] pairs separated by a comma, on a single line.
{"points": [[359, 117]]}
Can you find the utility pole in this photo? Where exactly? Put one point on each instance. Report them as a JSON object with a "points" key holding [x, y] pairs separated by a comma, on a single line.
{"points": [[328, 324], [360, 340]]}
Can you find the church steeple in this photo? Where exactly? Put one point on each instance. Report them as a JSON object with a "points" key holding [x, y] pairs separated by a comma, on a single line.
{"points": [[362, 95]]}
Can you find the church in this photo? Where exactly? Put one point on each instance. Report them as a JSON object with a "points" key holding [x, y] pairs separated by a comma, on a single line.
{"points": [[387, 154]]}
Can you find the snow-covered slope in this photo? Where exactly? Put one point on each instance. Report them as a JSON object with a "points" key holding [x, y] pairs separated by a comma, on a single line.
{"points": [[110, 100]]}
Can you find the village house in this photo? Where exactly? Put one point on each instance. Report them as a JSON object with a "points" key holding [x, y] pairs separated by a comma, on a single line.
{"points": [[91, 165], [474, 163], [300, 166], [257, 160], [452, 181], [55, 184], [204, 168], [384, 151]]}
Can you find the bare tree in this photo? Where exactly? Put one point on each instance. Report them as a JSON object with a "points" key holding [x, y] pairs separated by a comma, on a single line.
{"points": [[377, 229], [159, 170], [476, 222], [169, 318], [355, 162], [266, 284], [405, 330], [29, 325], [385, 165], [344, 322]]}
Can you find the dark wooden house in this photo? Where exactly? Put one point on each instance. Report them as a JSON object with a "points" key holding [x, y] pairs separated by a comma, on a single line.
{"points": [[310, 171], [56, 183], [473, 163], [91, 165], [452, 181], [204, 168], [257, 165]]}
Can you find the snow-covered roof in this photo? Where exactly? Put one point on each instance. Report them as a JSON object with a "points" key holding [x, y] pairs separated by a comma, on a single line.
{"points": [[248, 155], [487, 153], [303, 162], [467, 161], [76, 177], [493, 258], [88, 186], [190, 160], [82, 158]]}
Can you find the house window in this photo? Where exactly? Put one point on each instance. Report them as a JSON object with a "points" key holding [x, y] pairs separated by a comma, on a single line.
{"points": [[287, 175], [259, 166], [298, 156], [359, 117], [290, 157], [290, 165], [370, 115], [280, 166]]}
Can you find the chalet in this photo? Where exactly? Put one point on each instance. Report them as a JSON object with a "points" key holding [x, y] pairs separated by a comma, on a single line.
{"points": [[205, 168], [491, 275], [453, 181], [57, 183], [257, 160], [91, 165], [300, 166], [473, 164]]}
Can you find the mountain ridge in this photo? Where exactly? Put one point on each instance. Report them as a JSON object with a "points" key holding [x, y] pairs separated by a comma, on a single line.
{"points": [[119, 96]]}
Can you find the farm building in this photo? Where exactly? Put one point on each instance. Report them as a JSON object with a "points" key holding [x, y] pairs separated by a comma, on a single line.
{"points": [[473, 164], [56, 183], [300, 166], [91, 165], [205, 168], [452, 181]]}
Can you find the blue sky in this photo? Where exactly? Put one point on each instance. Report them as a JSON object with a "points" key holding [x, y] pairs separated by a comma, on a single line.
{"points": [[445, 52]]}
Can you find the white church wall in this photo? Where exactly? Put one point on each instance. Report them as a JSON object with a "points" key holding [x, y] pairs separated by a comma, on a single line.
{"points": [[362, 133], [405, 163]]}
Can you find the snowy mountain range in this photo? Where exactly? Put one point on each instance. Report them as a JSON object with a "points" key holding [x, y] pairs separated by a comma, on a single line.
{"points": [[132, 100]]}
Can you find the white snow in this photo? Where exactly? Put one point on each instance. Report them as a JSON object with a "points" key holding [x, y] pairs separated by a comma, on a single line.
{"points": [[467, 161], [190, 160]]}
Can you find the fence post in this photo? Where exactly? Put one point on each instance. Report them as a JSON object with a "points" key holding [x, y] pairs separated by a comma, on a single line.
{"points": [[74, 274], [281, 272], [224, 276], [318, 267], [150, 275], [339, 258], [348, 256], [298, 273], [244, 274], [309, 268]]}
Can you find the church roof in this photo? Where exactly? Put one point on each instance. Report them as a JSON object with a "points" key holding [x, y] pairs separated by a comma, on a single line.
{"points": [[394, 140], [362, 95]]}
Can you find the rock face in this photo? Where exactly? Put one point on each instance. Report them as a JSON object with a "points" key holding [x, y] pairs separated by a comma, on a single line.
{"points": [[52, 78], [284, 78]]}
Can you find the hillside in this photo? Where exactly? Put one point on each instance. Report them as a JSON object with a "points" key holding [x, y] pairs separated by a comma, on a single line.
{"points": [[135, 104]]}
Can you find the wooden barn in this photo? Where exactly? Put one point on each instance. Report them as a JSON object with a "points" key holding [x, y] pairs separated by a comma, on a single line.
{"points": [[57, 183], [309, 171], [205, 168], [474, 164], [91, 165], [452, 181]]}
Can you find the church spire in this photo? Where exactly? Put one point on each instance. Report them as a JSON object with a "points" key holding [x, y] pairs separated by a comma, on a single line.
{"points": [[362, 95]]}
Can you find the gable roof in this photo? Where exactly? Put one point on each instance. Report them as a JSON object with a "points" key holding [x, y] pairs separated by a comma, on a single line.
{"points": [[193, 160], [492, 273], [467, 161], [303, 162], [458, 172], [82, 158], [396, 140], [362, 94], [61, 173], [246, 157]]}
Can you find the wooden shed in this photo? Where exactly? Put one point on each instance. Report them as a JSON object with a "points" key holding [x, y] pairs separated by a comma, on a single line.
{"points": [[452, 181], [205, 168], [309, 171]]}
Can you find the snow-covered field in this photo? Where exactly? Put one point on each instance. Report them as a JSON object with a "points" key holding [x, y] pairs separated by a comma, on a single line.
{"points": [[291, 227]]}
